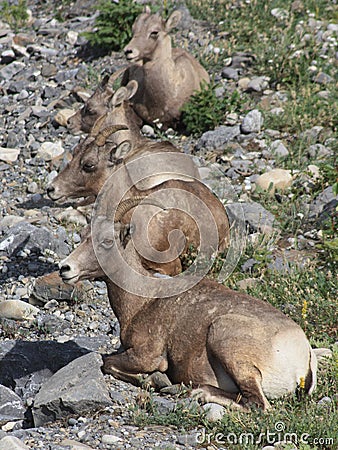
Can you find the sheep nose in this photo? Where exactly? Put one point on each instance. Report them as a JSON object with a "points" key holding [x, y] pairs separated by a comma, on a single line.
{"points": [[64, 268], [127, 51], [50, 190]]}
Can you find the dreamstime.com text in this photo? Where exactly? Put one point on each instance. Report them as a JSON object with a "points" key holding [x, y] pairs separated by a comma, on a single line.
{"points": [[279, 434]]}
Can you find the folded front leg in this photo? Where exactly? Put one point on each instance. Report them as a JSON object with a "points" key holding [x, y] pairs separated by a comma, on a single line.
{"points": [[127, 366]]}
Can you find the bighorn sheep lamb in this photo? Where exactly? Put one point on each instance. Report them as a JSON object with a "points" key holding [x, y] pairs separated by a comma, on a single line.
{"points": [[242, 352], [170, 75], [102, 101]]}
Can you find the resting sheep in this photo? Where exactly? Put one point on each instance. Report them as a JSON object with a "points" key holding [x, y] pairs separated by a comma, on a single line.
{"points": [[170, 75], [234, 349], [104, 99]]}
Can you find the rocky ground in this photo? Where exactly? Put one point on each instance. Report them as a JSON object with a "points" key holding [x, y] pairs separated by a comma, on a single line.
{"points": [[45, 325]]}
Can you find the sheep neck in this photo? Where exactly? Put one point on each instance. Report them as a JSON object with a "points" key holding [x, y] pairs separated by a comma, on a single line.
{"points": [[125, 304]]}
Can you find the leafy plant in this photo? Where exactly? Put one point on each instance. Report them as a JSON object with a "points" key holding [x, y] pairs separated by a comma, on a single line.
{"points": [[15, 15], [205, 110], [113, 24]]}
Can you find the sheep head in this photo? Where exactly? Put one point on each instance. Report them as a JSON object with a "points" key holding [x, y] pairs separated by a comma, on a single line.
{"points": [[83, 263], [90, 166], [150, 33], [97, 105]]}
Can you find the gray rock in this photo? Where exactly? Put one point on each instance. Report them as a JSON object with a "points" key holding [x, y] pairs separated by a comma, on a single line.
{"points": [[9, 154], [75, 389], [9, 221], [27, 236], [318, 151], [26, 365], [12, 443], [164, 405], [214, 411], [218, 138], [147, 130], [10, 70], [50, 150], [230, 74], [32, 187], [241, 59], [11, 406], [257, 218], [278, 148], [252, 122], [323, 78], [258, 84], [311, 134], [23, 94], [280, 13], [110, 439], [73, 445], [324, 202], [325, 401], [7, 56], [191, 439]]}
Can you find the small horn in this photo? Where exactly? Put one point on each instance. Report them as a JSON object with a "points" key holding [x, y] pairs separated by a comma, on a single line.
{"points": [[97, 125], [129, 203], [102, 136]]}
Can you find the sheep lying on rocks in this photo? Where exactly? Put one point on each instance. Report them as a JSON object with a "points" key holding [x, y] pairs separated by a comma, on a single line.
{"points": [[234, 349]]}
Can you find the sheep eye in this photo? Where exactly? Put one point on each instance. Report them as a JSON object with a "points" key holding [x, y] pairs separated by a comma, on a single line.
{"points": [[107, 243], [88, 167], [154, 34]]}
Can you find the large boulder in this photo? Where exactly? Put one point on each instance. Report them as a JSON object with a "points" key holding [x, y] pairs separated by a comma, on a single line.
{"points": [[75, 389]]}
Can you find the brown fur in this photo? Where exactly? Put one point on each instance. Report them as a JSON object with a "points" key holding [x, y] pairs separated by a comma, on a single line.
{"points": [[104, 100], [170, 75], [229, 345], [91, 166]]}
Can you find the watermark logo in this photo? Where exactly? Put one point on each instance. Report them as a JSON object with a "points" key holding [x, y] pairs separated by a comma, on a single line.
{"points": [[277, 435], [164, 221]]}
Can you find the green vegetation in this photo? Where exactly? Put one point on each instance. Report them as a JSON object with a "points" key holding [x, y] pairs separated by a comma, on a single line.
{"points": [[113, 25], [205, 110], [284, 49], [15, 15]]}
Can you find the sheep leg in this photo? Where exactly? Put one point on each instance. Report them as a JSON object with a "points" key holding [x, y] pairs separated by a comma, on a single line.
{"points": [[127, 367], [235, 355], [247, 376], [211, 394]]}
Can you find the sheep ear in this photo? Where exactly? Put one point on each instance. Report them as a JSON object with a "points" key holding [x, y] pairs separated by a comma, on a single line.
{"points": [[132, 87], [173, 20], [146, 9], [123, 149], [126, 232], [120, 95], [104, 81]]}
